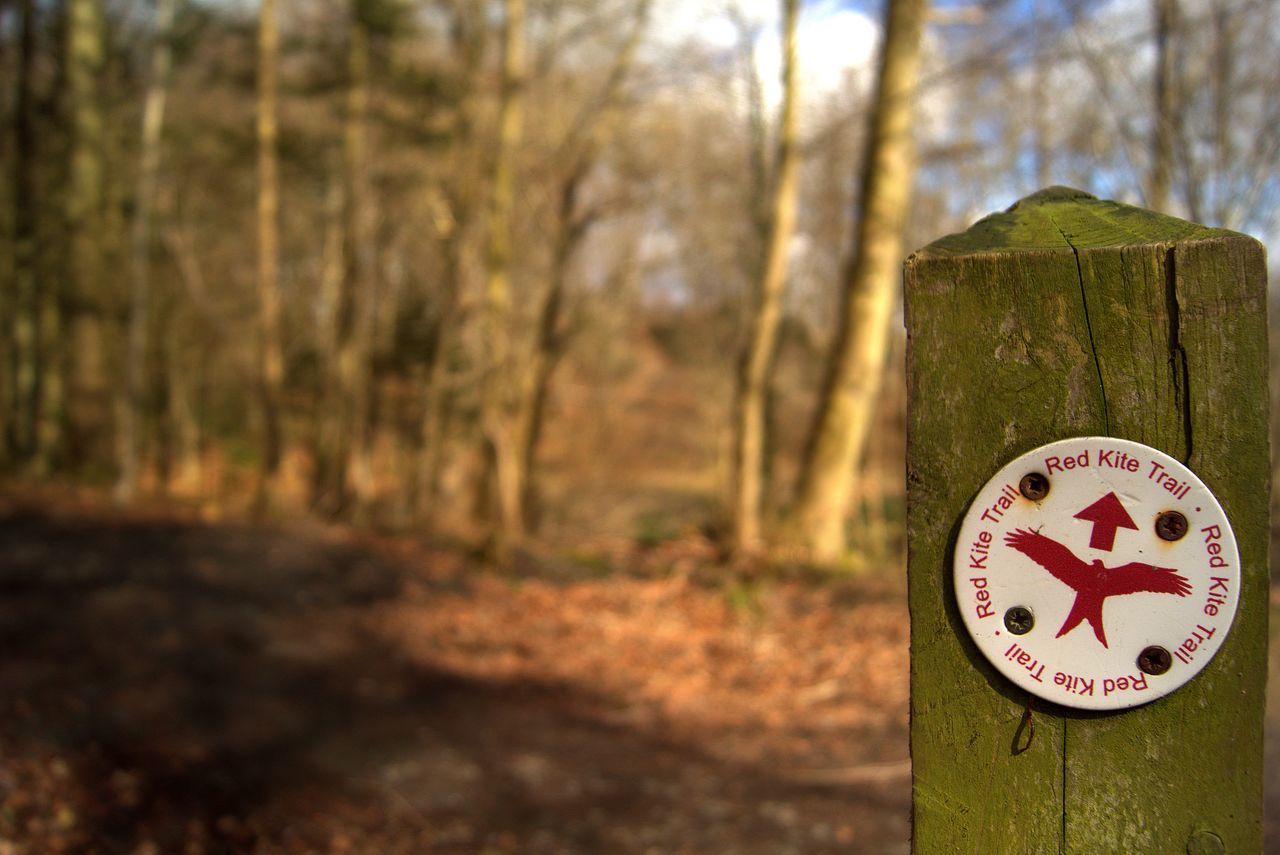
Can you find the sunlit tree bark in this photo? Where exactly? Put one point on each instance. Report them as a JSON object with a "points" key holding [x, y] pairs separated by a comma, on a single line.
{"points": [[500, 430], [855, 370]]}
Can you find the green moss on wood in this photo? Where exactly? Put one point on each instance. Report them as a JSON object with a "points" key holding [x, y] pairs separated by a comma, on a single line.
{"points": [[1064, 219], [1069, 316]]}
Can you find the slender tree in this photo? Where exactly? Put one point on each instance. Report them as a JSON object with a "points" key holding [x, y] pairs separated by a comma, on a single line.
{"points": [[589, 133], [342, 462], [355, 302], [270, 354], [361, 258], [26, 344], [1163, 129], [855, 369], [756, 360], [85, 65], [500, 431], [457, 212], [133, 414]]}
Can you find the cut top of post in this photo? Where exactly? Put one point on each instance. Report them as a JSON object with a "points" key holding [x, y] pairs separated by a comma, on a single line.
{"points": [[1063, 218]]}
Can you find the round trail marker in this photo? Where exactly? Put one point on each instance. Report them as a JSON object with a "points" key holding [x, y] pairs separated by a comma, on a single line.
{"points": [[1097, 573]]}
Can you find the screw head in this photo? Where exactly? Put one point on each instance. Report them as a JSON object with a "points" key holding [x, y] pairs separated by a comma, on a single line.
{"points": [[1019, 620], [1171, 525], [1034, 485], [1205, 843], [1154, 660]]}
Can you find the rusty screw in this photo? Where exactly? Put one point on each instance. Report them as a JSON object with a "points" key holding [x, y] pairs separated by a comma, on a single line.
{"points": [[1154, 660], [1019, 620], [1171, 525], [1034, 486]]}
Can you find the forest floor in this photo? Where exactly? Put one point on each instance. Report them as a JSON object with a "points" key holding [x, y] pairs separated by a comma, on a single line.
{"points": [[175, 686], [169, 685]]}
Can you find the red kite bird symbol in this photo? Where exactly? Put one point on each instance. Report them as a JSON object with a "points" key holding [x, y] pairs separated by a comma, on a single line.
{"points": [[1093, 582]]}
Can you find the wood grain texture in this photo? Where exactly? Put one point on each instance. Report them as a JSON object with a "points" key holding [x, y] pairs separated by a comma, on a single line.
{"points": [[1069, 316]]}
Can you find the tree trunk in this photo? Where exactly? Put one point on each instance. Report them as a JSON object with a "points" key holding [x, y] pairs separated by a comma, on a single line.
{"points": [[186, 369], [343, 398], [588, 134], [1041, 96], [1223, 92], [326, 399], [25, 352], [1165, 13], [51, 374], [756, 360], [85, 66], [184, 384], [548, 348], [437, 412], [270, 355], [134, 413], [437, 401], [457, 210], [855, 370], [498, 425], [355, 300]]}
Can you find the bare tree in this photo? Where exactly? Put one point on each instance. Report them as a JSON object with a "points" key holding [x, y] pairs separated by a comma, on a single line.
{"points": [[588, 133], [456, 209], [85, 346], [134, 412], [756, 360], [1165, 13], [500, 429], [270, 375], [342, 465], [857, 360], [25, 343], [356, 312]]}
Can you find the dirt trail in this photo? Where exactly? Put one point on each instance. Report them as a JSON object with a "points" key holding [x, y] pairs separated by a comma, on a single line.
{"points": [[173, 686], [170, 686]]}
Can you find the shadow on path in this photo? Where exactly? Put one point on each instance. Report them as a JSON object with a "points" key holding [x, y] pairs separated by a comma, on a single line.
{"points": [[169, 686]]}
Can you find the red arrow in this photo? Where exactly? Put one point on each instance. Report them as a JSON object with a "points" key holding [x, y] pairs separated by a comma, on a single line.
{"points": [[1107, 515]]}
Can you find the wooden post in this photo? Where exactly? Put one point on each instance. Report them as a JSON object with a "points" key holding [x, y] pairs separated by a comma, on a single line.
{"points": [[1069, 316]]}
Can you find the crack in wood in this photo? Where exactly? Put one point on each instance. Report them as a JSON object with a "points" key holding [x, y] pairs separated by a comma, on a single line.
{"points": [[1177, 353], [1093, 345]]}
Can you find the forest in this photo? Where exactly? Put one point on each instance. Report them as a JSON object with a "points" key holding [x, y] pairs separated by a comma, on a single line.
{"points": [[378, 261], [531, 370]]}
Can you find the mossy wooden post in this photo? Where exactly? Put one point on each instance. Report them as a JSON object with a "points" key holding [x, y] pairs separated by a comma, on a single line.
{"points": [[1069, 316]]}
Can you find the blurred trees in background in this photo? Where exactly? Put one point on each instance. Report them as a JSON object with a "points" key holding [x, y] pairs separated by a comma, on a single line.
{"points": [[856, 363], [564, 267], [756, 359]]}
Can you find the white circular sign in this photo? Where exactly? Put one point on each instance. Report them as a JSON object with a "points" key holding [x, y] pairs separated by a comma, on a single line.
{"points": [[1097, 573]]}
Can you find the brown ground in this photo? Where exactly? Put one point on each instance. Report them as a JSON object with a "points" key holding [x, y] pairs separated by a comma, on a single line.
{"points": [[171, 686]]}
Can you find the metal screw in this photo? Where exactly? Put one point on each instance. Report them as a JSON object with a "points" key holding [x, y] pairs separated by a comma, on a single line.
{"points": [[1019, 620], [1154, 660], [1171, 525], [1034, 486], [1205, 843]]}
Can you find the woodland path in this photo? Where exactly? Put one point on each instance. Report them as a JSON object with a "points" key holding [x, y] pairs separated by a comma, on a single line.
{"points": [[170, 685]]}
